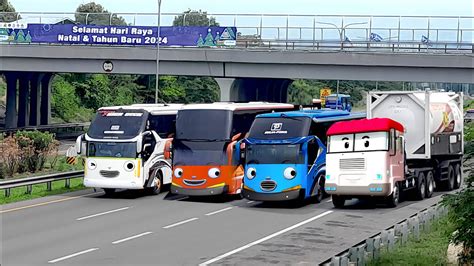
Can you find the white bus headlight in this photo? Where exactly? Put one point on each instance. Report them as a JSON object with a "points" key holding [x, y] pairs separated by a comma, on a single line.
{"points": [[251, 173], [289, 173], [129, 166], [214, 173], [178, 172], [91, 164]]}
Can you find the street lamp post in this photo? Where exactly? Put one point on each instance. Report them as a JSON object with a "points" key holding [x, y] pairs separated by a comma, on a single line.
{"points": [[158, 53], [342, 29]]}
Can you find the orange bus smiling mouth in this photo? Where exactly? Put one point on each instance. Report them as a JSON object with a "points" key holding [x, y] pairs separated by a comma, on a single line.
{"points": [[194, 182]]}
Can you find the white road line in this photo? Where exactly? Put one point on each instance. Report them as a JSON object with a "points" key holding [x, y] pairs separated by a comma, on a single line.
{"points": [[248, 202], [102, 213], [329, 200], [72, 255], [216, 212], [265, 238], [48, 202], [132, 237], [180, 223]]}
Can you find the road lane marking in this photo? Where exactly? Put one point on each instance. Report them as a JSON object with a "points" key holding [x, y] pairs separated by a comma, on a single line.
{"points": [[219, 211], [180, 223], [132, 237], [248, 202], [48, 202], [329, 200], [72, 255], [265, 238], [102, 213]]}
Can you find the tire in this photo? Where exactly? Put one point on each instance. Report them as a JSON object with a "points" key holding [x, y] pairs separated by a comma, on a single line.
{"points": [[320, 189], [430, 184], [109, 191], [420, 186], [338, 201], [394, 198], [451, 179], [457, 176], [157, 184]]}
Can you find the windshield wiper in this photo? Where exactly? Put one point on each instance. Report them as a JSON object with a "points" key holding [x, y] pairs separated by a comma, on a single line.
{"points": [[290, 117]]}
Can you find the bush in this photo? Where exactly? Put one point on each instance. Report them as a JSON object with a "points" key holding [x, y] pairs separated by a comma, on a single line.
{"points": [[35, 148], [461, 207], [9, 156]]}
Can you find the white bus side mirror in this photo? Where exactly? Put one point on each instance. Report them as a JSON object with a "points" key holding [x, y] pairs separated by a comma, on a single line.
{"points": [[79, 144], [140, 141]]}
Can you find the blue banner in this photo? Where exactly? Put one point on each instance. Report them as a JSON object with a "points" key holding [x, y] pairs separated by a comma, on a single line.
{"points": [[120, 35]]}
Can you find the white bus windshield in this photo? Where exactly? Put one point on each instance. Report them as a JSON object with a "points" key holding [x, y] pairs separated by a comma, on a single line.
{"points": [[112, 149], [117, 124]]}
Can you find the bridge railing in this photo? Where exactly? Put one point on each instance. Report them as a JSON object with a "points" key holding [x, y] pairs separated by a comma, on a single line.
{"points": [[431, 31]]}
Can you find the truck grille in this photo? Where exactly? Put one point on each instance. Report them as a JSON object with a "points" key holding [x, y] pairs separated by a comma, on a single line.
{"points": [[268, 185], [109, 174], [352, 164]]}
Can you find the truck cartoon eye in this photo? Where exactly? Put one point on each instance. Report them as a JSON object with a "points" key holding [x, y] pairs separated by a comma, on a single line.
{"points": [[346, 143], [366, 141]]}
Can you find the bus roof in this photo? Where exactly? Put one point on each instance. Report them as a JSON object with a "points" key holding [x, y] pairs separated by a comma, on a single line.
{"points": [[231, 106], [318, 116], [154, 109], [364, 125]]}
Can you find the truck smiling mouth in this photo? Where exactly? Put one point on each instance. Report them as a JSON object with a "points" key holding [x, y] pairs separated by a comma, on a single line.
{"points": [[194, 182]]}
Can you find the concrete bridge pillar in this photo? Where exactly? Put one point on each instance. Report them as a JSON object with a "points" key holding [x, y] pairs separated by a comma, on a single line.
{"points": [[23, 97], [11, 112], [33, 106], [45, 105], [35, 85], [254, 89]]}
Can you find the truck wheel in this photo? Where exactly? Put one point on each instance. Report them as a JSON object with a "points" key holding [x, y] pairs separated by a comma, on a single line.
{"points": [[394, 198], [430, 184], [420, 186], [338, 201], [109, 191], [458, 175], [451, 179], [157, 184]]}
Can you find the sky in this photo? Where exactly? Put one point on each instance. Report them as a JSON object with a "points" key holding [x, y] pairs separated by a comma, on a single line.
{"points": [[313, 7]]}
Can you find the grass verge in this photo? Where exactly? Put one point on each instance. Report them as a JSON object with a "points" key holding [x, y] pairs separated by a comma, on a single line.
{"points": [[430, 249], [57, 187]]}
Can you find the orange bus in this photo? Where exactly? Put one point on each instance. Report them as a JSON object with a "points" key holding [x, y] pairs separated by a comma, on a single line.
{"points": [[205, 158]]}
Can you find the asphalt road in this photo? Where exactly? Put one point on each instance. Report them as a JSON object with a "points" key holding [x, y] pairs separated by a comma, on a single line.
{"points": [[87, 228]]}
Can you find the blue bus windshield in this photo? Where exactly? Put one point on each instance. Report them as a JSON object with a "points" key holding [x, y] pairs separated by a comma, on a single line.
{"points": [[274, 154]]}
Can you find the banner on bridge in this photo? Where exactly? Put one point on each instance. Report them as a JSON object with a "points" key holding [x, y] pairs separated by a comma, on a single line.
{"points": [[119, 35]]}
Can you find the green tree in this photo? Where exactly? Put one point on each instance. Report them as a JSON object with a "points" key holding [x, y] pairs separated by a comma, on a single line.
{"points": [[194, 18], [10, 13], [96, 14], [65, 103]]}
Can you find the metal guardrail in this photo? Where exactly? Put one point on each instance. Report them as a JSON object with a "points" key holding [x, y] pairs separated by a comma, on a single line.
{"points": [[61, 130], [30, 181], [437, 29], [388, 239]]}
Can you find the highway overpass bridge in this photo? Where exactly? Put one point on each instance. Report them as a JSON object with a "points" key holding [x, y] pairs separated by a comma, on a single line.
{"points": [[242, 74]]}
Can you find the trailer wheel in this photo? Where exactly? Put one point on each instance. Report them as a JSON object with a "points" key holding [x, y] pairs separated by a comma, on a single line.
{"points": [[394, 198], [420, 186], [430, 184], [451, 179], [458, 175], [109, 191], [338, 201]]}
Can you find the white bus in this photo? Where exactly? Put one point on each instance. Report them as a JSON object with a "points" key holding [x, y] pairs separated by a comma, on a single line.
{"points": [[124, 147]]}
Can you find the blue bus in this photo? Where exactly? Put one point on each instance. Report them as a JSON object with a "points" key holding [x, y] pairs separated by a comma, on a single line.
{"points": [[339, 102], [285, 154]]}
